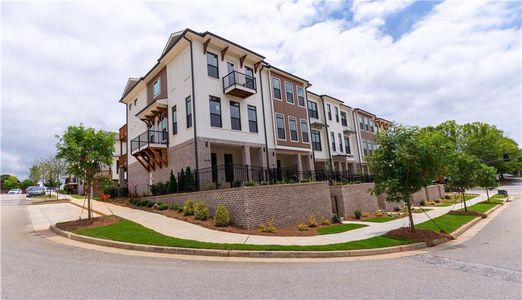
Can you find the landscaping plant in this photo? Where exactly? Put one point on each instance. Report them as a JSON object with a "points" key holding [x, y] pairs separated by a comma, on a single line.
{"points": [[222, 217], [357, 214], [462, 172], [486, 177], [173, 184], [324, 221], [188, 208], [312, 222], [201, 212], [302, 227], [268, 227]]}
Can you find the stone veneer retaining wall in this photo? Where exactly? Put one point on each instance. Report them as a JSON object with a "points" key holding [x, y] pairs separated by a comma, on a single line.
{"points": [[347, 198], [287, 204]]}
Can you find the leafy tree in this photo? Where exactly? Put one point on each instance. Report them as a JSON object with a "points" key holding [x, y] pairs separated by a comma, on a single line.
{"points": [[173, 184], [440, 147], [10, 182], [189, 180], [486, 177], [402, 165], [35, 172], [26, 183], [462, 172], [181, 181], [86, 150]]}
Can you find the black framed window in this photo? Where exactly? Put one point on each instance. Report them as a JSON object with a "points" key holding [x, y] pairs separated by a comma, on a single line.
{"points": [[329, 111], [249, 79], [312, 110], [215, 112], [366, 124], [347, 149], [235, 115], [365, 147], [188, 106], [174, 120], [300, 96], [276, 86], [293, 129], [280, 124], [316, 141], [332, 141], [361, 123], [304, 131], [371, 126], [156, 87], [289, 90], [252, 118], [344, 122], [336, 114], [340, 136], [212, 65]]}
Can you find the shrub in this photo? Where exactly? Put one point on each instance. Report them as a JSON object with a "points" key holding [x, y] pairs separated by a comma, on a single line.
{"points": [[173, 184], [189, 180], [188, 208], [306, 180], [378, 214], [236, 183], [336, 218], [162, 206], [302, 227], [357, 214], [422, 203], [123, 191], [210, 186], [396, 209], [268, 227], [249, 183], [430, 203], [222, 217], [280, 182], [181, 181], [365, 215], [324, 221], [175, 207], [437, 200], [447, 197], [265, 182], [291, 181], [159, 188], [150, 204], [312, 222], [200, 211], [111, 190]]}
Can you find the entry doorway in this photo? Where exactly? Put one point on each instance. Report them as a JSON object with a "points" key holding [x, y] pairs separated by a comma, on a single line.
{"points": [[229, 168]]}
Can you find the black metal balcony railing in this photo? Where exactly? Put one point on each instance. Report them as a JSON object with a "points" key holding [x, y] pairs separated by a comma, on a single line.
{"points": [[236, 78], [149, 137]]}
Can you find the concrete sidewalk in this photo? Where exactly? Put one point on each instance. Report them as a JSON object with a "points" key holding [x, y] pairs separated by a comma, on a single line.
{"points": [[44, 215], [176, 228]]}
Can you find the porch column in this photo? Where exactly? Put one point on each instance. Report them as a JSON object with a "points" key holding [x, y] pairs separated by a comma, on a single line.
{"points": [[299, 167], [262, 157], [245, 160]]}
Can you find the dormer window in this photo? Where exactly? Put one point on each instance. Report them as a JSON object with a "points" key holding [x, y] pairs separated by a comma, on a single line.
{"points": [[156, 87]]}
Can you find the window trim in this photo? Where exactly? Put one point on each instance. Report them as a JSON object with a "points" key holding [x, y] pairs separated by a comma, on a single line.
{"points": [[249, 121], [216, 66], [231, 104], [347, 145], [329, 111], [340, 137], [312, 134], [292, 92], [273, 89], [336, 114], [277, 128], [345, 123], [154, 94], [174, 116], [296, 129], [187, 100], [218, 100], [333, 144], [316, 110], [304, 98], [307, 132]]}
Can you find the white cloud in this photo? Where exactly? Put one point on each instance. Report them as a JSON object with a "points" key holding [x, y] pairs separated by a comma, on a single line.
{"points": [[66, 63]]}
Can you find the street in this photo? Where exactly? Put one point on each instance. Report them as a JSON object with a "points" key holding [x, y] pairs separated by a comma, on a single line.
{"points": [[488, 265]]}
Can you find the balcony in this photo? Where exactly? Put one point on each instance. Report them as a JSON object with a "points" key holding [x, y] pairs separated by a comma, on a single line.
{"points": [[239, 85], [150, 149]]}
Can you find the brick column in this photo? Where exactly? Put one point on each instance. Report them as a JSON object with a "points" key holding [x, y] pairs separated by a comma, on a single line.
{"points": [[299, 166]]}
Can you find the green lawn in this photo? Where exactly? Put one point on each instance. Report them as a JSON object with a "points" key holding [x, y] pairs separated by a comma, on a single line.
{"points": [[448, 202], [379, 219], [448, 223], [482, 207], [130, 232], [337, 228]]}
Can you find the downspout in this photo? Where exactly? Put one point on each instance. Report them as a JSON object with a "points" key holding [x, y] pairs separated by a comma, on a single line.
{"points": [[194, 111], [327, 133], [357, 140], [264, 117]]}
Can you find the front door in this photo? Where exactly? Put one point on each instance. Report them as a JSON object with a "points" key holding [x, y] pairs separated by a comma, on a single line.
{"points": [[213, 163], [229, 168]]}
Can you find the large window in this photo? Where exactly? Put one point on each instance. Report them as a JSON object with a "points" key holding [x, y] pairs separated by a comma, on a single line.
{"points": [[163, 127], [347, 149], [340, 136], [293, 129], [252, 118], [188, 106], [174, 120], [371, 126], [312, 110], [329, 111], [212, 65], [365, 147], [332, 141], [304, 131], [336, 114], [370, 147], [289, 89], [215, 112], [280, 124], [343, 119], [300, 96], [361, 122], [235, 115], [276, 86], [316, 140], [156, 87]]}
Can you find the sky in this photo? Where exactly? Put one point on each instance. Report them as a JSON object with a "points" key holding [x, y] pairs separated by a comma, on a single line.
{"points": [[416, 63]]}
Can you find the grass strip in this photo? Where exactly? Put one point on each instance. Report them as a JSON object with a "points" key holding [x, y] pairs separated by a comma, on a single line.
{"points": [[130, 232], [338, 228], [482, 206], [448, 223]]}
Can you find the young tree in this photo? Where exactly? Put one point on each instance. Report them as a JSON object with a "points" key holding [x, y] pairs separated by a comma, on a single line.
{"points": [[462, 173], [86, 150], [173, 185], [35, 172], [486, 178], [189, 180], [181, 181], [401, 165]]}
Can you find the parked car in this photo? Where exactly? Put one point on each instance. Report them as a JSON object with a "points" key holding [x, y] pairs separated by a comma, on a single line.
{"points": [[15, 191], [35, 191]]}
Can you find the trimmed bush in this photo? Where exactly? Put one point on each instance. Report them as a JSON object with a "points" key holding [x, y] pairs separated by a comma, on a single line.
{"points": [[378, 214], [324, 221], [162, 206], [365, 215], [312, 222], [302, 227], [111, 190], [267, 227], [249, 183], [175, 207], [222, 217], [200, 211], [188, 208], [306, 180], [150, 204], [357, 214], [265, 182]]}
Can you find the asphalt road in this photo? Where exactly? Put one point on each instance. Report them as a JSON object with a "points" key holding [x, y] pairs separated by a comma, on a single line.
{"points": [[489, 265]]}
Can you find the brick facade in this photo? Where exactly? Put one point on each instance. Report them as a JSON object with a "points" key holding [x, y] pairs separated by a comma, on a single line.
{"points": [[287, 205]]}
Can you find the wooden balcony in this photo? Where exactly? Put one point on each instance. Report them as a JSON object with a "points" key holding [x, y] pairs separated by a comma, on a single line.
{"points": [[123, 133], [239, 85], [150, 149]]}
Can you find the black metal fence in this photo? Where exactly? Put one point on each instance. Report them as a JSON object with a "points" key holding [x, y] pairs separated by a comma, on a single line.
{"points": [[149, 137]]}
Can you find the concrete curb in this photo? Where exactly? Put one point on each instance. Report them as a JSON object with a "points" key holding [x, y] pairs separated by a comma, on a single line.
{"points": [[465, 227], [237, 253]]}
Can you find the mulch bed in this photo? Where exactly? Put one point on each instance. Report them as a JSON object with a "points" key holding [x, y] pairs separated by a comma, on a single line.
{"points": [[419, 235], [84, 223], [467, 213]]}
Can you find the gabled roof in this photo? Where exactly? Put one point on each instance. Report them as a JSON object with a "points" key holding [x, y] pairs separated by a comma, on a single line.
{"points": [[173, 39], [131, 83]]}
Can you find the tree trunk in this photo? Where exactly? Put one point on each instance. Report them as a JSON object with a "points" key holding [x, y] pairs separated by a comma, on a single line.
{"points": [[487, 194], [89, 213], [464, 200], [410, 215]]}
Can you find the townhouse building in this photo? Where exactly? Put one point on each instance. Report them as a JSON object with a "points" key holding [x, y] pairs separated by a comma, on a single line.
{"points": [[222, 110]]}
